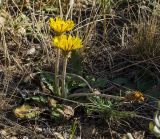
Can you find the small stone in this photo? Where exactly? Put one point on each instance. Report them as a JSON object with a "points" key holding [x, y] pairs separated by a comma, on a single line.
{"points": [[22, 31], [31, 51], [58, 135], [13, 137], [25, 137], [38, 129]]}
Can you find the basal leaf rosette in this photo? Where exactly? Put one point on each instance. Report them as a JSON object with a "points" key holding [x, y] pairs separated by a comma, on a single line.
{"points": [[67, 43], [60, 26]]}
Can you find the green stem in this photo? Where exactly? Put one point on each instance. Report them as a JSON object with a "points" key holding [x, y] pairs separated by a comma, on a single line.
{"points": [[64, 73], [57, 71]]}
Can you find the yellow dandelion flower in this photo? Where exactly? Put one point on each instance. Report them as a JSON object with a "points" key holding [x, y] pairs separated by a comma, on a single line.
{"points": [[60, 26], [135, 96], [67, 43], [138, 96]]}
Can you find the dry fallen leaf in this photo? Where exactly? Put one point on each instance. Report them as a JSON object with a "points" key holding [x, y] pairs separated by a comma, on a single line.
{"points": [[67, 112], [27, 111], [134, 135], [31, 51], [95, 91], [58, 135], [52, 102], [21, 31]]}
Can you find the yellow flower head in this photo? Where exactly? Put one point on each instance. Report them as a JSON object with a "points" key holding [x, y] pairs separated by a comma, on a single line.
{"points": [[60, 26], [135, 96], [67, 43], [138, 96]]}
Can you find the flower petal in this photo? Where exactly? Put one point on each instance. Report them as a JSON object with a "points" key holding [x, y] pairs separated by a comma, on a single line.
{"points": [[67, 43], [60, 26]]}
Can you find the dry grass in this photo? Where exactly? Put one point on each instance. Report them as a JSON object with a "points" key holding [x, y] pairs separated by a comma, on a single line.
{"points": [[118, 40]]}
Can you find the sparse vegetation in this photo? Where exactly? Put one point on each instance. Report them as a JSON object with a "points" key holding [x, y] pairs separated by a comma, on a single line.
{"points": [[108, 88]]}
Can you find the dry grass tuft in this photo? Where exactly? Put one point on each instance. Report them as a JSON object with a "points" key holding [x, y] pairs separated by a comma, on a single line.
{"points": [[119, 38]]}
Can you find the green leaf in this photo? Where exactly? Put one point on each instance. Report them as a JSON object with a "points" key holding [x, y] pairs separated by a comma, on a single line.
{"points": [[51, 9], [74, 82], [55, 115], [75, 63], [99, 83], [48, 79], [153, 93], [123, 82], [145, 82], [37, 99]]}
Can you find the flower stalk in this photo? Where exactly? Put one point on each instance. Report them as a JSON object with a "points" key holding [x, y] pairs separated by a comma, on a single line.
{"points": [[57, 72], [66, 43], [65, 61], [59, 26]]}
